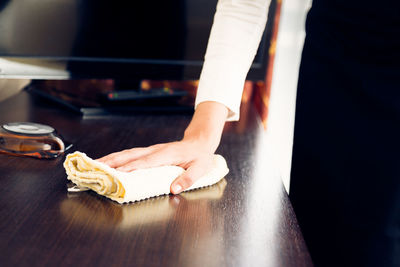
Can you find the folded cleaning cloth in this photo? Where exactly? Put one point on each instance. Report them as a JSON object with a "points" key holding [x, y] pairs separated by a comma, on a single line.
{"points": [[125, 187]]}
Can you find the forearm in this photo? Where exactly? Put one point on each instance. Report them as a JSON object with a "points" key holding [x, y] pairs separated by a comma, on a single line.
{"points": [[207, 124]]}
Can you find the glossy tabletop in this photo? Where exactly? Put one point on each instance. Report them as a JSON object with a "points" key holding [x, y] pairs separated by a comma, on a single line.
{"points": [[244, 220]]}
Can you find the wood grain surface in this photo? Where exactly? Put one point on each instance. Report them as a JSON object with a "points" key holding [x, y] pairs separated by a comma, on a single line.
{"points": [[245, 220]]}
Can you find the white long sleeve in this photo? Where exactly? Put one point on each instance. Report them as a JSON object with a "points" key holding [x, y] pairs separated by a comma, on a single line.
{"points": [[234, 39]]}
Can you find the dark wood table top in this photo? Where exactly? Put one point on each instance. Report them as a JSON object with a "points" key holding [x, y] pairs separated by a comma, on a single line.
{"points": [[245, 220]]}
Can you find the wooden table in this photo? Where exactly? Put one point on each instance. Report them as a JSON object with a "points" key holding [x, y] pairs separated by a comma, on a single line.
{"points": [[245, 220]]}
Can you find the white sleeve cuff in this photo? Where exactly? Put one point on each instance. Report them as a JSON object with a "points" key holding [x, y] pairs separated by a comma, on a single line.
{"points": [[223, 84]]}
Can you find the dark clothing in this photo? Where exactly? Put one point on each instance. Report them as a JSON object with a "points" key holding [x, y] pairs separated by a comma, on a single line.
{"points": [[345, 180]]}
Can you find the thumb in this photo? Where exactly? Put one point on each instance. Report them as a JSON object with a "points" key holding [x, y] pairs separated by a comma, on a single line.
{"points": [[187, 179]]}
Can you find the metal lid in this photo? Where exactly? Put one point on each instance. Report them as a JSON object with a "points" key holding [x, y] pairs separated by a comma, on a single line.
{"points": [[30, 128]]}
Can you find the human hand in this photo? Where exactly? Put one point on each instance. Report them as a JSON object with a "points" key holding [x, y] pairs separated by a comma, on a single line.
{"points": [[193, 156], [194, 152]]}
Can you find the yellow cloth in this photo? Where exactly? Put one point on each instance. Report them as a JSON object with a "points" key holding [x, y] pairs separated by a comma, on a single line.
{"points": [[132, 186]]}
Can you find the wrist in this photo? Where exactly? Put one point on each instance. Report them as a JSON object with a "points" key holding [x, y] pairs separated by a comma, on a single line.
{"points": [[206, 125]]}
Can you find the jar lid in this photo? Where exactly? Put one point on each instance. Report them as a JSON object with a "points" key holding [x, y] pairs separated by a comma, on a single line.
{"points": [[29, 128]]}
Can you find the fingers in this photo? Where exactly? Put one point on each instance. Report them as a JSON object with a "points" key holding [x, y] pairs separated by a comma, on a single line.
{"points": [[148, 161], [168, 154], [194, 172], [121, 158]]}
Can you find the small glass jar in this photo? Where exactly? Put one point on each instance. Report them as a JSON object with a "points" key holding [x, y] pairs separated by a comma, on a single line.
{"points": [[31, 140]]}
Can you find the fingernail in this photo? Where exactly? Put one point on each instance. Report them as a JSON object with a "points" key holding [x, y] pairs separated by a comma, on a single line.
{"points": [[177, 188]]}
